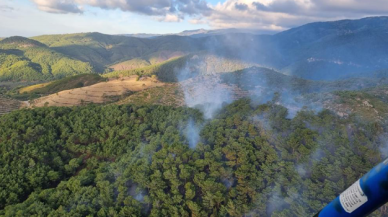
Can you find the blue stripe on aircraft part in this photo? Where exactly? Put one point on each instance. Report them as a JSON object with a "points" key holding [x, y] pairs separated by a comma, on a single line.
{"points": [[363, 197]]}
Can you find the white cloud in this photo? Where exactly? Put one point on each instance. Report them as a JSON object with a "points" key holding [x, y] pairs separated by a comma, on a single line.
{"points": [[353, 6], [272, 15], [61, 7], [5, 8], [166, 10], [170, 18], [278, 15], [244, 14], [198, 21]]}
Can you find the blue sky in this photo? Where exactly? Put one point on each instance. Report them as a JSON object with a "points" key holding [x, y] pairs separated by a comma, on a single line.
{"points": [[37, 17], [215, 1]]}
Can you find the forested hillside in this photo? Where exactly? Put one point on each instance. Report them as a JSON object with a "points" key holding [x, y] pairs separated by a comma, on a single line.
{"points": [[166, 71], [23, 59], [182, 68], [152, 59], [335, 49], [162, 161], [103, 50]]}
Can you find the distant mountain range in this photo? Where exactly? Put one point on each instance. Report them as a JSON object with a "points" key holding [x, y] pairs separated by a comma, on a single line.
{"points": [[316, 51], [203, 33], [332, 50]]}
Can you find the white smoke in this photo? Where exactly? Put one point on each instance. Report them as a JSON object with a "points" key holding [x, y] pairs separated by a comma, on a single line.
{"points": [[192, 132], [205, 93]]}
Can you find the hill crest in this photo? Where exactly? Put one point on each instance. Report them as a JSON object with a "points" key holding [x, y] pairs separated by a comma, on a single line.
{"points": [[20, 42]]}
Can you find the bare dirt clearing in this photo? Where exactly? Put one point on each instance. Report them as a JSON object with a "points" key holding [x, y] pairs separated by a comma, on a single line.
{"points": [[8, 105], [98, 93]]}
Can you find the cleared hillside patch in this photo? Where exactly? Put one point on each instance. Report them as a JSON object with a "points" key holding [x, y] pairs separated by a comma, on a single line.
{"points": [[104, 92], [8, 105]]}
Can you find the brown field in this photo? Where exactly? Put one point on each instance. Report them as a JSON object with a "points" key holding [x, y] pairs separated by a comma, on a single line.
{"points": [[98, 93], [8, 105]]}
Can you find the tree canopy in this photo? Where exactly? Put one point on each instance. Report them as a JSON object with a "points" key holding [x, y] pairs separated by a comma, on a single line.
{"points": [[127, 160]]}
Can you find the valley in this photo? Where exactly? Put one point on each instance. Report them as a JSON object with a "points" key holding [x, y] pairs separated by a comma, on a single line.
{"points": [[200, 123], [257, 83]]}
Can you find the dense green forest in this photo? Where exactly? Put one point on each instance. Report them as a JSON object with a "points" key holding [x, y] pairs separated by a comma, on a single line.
{"points": [[132, 160]]}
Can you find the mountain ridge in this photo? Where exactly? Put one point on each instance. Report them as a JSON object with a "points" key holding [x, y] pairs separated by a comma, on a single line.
{"points": [[318, 51]]}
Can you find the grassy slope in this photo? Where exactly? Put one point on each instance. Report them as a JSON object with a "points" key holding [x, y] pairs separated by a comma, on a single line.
{"points": [[26, 59], [32, 88], [64, 84]]}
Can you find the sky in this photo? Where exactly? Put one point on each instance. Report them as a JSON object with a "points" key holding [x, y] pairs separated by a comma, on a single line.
{"points": [[38, 17]]}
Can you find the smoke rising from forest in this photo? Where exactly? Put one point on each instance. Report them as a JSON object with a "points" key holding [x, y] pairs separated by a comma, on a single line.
{"points": [[204, 93], [209, 81], [209, 91], [192, 133]]}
